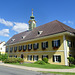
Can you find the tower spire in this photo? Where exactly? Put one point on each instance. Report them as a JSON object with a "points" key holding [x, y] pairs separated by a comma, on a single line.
{"points": [[32, 22], [32, 12]]}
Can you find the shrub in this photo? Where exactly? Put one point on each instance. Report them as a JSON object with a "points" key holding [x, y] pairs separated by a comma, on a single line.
{"points": [[0, 56], [13, 60], [45, 60], [71, 60], [40, 62], [4, 56]]}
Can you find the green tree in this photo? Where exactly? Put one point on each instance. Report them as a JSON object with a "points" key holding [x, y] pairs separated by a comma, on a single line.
{"points": [[71, 60]]}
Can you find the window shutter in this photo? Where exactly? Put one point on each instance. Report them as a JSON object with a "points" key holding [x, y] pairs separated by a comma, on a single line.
{"points": [[59, 58], [28, 47], [31, 46], [58, 43], [37, 57], [21, 47], [68, 43], [52, 43], [37, 45], [42, 44], [46, 44], [71, 43], [42, 57], [53, 59], [33, 57], [47, 56]]}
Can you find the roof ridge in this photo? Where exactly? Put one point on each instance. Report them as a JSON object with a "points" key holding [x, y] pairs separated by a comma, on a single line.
{"points": [[61, 25]]}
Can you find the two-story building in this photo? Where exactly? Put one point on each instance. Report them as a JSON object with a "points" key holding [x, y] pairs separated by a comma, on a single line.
{"points": [[53, 40], [2, 47]]}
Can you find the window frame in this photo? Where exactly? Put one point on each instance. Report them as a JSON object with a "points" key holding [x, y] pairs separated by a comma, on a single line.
{"points": [[29, 57]]}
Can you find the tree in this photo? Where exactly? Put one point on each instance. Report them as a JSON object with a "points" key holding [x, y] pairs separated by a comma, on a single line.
{"points": [[71, 60]]}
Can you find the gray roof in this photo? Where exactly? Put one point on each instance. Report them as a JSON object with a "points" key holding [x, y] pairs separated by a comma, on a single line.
{"points": [[47, 29]]}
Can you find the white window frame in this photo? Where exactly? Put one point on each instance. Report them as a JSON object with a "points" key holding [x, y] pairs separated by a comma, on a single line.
{"points": [[29, 56], [35, 58], [56, 58]]}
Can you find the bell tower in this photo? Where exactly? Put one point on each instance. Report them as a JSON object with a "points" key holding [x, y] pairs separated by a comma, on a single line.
{"points": [[32, 22]]}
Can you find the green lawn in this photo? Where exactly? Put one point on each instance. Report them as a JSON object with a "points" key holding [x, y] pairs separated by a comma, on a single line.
{"points": [[63, 73], [46, 66]]}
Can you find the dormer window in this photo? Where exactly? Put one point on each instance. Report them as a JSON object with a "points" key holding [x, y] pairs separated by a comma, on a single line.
{"points": [[40, 32], [23, 37], [12, 40]]}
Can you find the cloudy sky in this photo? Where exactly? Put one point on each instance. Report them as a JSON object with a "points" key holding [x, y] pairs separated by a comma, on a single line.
{"points": [[15, 14]]}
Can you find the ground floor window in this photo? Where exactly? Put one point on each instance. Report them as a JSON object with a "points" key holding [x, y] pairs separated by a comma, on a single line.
{"points": [[56, 58], [35, 57], [29, 57], [43, 56]]}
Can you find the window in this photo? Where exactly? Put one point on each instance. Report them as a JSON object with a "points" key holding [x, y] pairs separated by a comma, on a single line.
{"points": [[11, 49], [35, 57], [56, 58], [29, 46], [7, 49], [20, 48], [24, 47], [29, 57], [15, 49], [43, 56], [15, 56], [44, 45], [56, 43], [35, 46], [69, 43]]}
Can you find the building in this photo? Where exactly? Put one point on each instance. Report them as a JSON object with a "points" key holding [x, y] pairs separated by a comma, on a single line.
{"points": [[53, 40], [2, 48]]}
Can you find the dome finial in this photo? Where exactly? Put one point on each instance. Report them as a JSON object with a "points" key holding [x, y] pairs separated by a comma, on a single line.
{"points": [[32, 12]]}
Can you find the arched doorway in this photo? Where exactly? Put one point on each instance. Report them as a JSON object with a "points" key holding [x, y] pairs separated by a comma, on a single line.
{"points": [[22, 56]]}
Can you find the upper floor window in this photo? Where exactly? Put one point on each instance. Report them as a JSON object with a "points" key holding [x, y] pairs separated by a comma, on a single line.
{"points": [[15, 48], [56, 43], [35, 46], [44, 45], [69, 43], [11, 49], [24, 47], [29, 46], [20, 48]]}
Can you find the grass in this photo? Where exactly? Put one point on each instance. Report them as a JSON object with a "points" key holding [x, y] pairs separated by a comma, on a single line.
{"points": [[60, 73], [46, 66]]}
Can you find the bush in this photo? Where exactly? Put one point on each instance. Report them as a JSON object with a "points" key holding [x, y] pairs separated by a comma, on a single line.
{"points": [[0, 56], [40, 62], [4, 56], [45, 60], [13, 60], [71, 60]]}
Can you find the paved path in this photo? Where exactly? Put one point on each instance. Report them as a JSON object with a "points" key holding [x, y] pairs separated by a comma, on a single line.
{"points": [[40, 69]]}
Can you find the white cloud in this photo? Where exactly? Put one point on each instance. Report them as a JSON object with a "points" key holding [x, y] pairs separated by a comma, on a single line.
{"points": [[7, 23], [4, 32], [69, 22], [20, 27]]}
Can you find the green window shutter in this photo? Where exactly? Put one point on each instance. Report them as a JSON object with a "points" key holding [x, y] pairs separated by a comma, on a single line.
{"points": [[42, 57], [52, 43], [42, 44], [28, 47], [33, 46], [37, 45], [68, 43], [59, 58], [46, 44], [37, 58], [53, 59], [71, 43], [58, 43], [33, 57]]}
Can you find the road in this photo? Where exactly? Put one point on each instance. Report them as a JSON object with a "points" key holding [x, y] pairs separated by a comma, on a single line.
{"points": [[14, 71]]}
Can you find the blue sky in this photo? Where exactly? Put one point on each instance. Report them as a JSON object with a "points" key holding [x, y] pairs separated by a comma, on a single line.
{"points": [[15, 14]]}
